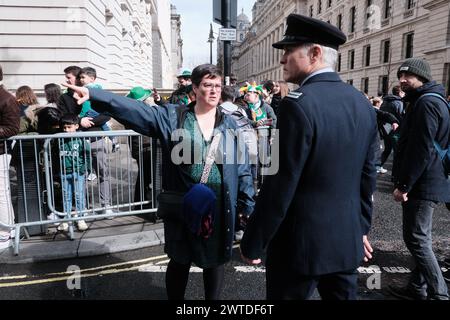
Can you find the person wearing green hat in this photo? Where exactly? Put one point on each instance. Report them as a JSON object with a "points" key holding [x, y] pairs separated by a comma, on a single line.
{"points": [[181, 95], [263, 118], [142, 152], [139, 93]]}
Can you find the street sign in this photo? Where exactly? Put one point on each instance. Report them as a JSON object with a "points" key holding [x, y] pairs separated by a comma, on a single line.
{"points": [[217, 12], [227, 34]]}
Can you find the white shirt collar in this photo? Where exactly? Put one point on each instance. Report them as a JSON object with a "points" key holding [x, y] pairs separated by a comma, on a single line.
{"points": [[324, 70]]}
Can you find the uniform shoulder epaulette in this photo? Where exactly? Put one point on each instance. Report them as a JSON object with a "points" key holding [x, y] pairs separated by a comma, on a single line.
{"points": [[294, 94]]}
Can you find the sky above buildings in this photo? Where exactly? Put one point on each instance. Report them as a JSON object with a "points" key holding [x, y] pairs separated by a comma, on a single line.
{"points": [[196, 17]]}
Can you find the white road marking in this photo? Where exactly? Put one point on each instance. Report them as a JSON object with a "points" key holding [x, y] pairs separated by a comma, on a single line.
{"points": [[249, 269], [160, 269]]}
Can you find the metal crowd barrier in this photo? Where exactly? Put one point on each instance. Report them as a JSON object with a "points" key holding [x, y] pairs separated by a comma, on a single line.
{"points": [[42, 170]]}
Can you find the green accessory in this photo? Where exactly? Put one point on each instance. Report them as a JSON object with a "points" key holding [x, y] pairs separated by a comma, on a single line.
{"points": [[139, 93], [184, 73]]}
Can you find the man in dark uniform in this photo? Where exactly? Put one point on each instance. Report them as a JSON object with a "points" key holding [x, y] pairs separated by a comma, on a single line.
{"points": [[314, 215]]}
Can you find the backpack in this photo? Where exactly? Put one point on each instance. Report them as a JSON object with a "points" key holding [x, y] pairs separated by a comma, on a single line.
{"points": [[246, 128], [239, 115], [444, 154]]}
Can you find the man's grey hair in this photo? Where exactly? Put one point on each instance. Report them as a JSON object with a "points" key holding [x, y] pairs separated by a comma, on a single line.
{"points": [[330, 55]]}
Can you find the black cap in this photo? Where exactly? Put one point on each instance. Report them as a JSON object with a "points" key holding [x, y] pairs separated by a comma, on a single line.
{"points": [[302, 29]]}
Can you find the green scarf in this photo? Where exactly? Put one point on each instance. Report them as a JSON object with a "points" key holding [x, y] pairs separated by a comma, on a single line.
{"points": [[257, 112]]}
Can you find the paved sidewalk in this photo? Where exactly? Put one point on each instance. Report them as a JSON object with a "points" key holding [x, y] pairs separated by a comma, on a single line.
{"points": [[102, 237]]}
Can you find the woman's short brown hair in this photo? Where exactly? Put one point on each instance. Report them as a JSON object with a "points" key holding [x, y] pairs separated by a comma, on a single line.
{"points": [[203, 70]]}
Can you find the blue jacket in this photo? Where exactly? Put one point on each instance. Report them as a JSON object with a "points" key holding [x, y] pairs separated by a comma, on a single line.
{"points": [[160, 122], [313, 213], [417, 168]]}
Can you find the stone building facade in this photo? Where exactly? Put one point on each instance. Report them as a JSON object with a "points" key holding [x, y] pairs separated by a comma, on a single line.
{"points": [[254, 58], [381, 34], [177, 42], [128, 42]]}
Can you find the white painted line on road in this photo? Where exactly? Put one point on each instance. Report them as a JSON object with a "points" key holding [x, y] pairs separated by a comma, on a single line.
{"points": [[248, 269], [152, 268], [156, 268], [159, 269]]}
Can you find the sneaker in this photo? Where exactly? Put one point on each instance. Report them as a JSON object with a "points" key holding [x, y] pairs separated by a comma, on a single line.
{"points": [[108, 211], [446, 276], [115, 147], [381, 170], [5, 243], [238, 235], [91, 177], [447, 262], [81, 225], [53, 217], [404, 293], [63, 227], [4, 236]]}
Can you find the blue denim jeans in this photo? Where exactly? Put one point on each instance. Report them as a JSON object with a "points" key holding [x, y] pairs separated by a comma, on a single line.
{"points": [[426, 278], [94, 114], [73, 182]]}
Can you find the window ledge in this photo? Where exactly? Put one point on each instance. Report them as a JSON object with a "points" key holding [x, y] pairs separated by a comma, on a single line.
{"points": [[408, 13]]}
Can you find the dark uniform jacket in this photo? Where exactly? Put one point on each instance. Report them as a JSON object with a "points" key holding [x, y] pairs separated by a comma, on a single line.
{"points": [[312, 215], [275, 103], [160, 122], [417, 167]]}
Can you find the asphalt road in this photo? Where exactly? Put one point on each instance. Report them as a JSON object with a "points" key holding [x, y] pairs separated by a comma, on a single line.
{"points": [[139, 275]]}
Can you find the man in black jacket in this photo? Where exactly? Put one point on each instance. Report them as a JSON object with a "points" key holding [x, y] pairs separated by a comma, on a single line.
{"points": [[387, 124], [421, 181], [393, 104]]}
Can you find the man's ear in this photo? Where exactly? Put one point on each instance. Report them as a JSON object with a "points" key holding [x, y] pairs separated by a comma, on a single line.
{"points": [[315, 53]]}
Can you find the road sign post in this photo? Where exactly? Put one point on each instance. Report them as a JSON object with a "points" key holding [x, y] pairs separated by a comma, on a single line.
{"points": [[225, 13], [227, 34]]}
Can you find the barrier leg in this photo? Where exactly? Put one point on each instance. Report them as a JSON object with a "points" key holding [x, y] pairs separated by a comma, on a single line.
{"points": [[71, 235], [16, 241]]}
